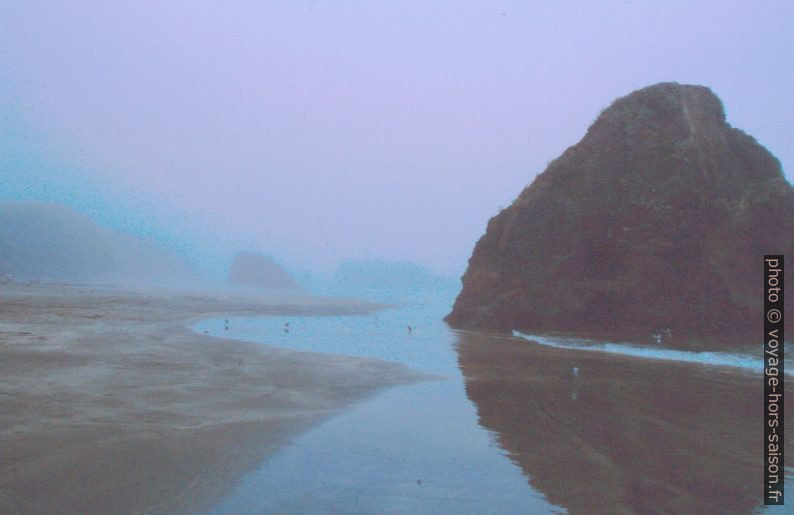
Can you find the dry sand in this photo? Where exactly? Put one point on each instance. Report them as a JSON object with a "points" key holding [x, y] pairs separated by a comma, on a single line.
{"points": [[109, 404]]}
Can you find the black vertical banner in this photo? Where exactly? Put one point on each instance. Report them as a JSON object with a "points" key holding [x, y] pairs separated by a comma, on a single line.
{"points": [[773, 380]]}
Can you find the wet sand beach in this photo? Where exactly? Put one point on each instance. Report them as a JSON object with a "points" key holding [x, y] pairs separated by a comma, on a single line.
{"points": [[621, 434], [109, 404]]}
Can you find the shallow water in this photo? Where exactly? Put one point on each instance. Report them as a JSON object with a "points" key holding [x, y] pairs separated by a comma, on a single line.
{"points": [[483, 441], [740, 360], [427, 347], [410, 449]]}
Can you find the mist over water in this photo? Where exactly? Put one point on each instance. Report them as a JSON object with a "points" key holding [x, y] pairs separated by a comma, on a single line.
{"points": [[354, 150], [317, 132]]}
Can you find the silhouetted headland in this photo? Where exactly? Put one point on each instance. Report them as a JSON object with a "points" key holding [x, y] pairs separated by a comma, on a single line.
{"points": [[257, 270], [54, 243]]}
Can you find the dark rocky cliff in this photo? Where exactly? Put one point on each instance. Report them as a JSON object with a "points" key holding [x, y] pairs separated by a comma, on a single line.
{"points": [[658, 218]]}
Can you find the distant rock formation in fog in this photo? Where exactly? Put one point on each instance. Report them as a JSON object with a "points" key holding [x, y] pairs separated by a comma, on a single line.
{"points": [[54, 243], [257, 270], [657, 219]]}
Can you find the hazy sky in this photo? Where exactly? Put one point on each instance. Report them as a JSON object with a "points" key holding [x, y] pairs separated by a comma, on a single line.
{"points": [[317, 131]]}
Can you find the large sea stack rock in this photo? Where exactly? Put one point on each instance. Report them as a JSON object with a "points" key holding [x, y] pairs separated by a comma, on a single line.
{"points": [[252, 269], [658, 218]]}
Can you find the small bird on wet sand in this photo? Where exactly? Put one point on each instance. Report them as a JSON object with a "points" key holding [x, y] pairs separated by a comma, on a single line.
{"points": [[574, 383]]}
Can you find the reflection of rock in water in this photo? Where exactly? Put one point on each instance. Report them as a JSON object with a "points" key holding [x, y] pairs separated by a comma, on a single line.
{"points": [[637, 436]]}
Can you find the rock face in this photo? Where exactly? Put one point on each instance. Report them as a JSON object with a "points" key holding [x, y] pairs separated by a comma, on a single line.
{"points": [[658, 218], [252, 269]]}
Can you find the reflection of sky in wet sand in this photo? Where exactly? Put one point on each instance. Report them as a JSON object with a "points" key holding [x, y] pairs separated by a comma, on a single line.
{"points": [[592, 431], [411, 449]]}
